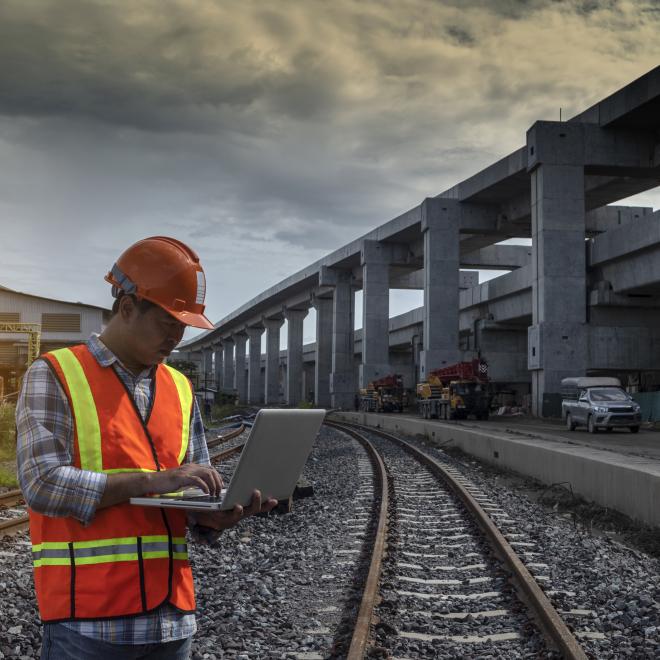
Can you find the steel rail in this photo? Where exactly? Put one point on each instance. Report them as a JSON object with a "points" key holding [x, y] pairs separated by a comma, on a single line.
{"points": [[550, 622], [13, 525], [10, 497], [362, 630], [227, 453], [226, 437]]}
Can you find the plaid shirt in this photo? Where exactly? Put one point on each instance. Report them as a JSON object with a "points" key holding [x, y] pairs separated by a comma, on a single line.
{"points": [[52, 486]]}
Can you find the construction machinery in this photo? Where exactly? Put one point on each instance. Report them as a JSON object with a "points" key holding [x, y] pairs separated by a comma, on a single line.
{"points": [[385, 394], [33, 332], [455, 392]]}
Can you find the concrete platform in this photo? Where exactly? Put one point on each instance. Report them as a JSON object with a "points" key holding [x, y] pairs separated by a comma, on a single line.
{"points": [[617, 470]]}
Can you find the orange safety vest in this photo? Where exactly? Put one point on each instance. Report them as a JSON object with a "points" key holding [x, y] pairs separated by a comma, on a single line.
{"points": [[130, 559]]}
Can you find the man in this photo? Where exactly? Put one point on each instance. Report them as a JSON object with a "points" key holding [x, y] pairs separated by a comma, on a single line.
{"points": [[100, 423]]}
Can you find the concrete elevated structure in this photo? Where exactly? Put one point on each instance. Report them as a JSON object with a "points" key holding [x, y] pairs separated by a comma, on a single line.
{"points": [[583, 298]]}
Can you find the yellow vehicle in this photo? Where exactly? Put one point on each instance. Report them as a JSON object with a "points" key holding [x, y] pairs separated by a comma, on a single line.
{"points": [[455, 392], [384, 395]]}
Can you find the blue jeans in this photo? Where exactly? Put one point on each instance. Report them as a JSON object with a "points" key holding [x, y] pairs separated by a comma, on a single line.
{"points": [[62, 643]]}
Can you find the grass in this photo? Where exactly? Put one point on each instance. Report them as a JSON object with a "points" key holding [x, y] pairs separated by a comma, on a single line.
{"points": [[8, 477], [220, 411], [7, 445]]}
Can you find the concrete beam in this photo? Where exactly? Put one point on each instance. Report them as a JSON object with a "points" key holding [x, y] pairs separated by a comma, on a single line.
{"points": [[415, 280], [605, 152], [623, 242], [498, 257]]}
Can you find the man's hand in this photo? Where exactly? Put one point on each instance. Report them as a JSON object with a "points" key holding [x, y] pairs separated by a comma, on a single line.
{"points": [[122, 486], [225, 519], [188, 475]]}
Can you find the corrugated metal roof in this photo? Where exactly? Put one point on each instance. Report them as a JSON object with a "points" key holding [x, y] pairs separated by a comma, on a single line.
{"points": [[66, 302]]}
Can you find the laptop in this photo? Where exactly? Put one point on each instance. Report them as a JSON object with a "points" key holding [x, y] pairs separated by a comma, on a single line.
{"points": [[271, 461]]}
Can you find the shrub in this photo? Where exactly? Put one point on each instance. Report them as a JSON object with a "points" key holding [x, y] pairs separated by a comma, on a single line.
{"points": [[8, 477], [7, 432], [7, 445]]}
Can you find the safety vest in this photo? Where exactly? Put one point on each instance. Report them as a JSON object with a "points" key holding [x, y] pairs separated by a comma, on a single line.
{"points": [[130, 559]]}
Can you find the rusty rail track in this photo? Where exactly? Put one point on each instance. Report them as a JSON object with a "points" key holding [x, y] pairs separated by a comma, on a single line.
{"points": [[10, 497], [220, 456], [550, 622], [12, 525], [362, 630], [221, 439]]}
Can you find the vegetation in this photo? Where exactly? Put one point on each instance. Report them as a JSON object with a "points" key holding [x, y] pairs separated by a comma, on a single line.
{"points": [[7, 445], [224, 409], [184, 366]]}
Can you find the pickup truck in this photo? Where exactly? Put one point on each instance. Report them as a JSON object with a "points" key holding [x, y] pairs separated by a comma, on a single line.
{"points": [[598, 403]]}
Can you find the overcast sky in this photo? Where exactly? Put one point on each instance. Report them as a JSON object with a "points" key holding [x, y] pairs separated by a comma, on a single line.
{"points": [[266, 134]]}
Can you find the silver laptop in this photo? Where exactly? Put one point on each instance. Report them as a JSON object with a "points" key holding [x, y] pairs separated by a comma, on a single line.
{"points": [[271, 461]]}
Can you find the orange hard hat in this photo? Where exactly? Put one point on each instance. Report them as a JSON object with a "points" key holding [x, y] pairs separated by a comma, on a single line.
{"points": [[165, 272]]}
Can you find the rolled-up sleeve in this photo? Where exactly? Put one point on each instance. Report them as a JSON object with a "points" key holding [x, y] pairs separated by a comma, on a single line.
{"points": [[50, 483]]}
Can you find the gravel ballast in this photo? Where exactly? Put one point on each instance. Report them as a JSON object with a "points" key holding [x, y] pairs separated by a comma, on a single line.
{"points": [[285, 586], [615, 587]]}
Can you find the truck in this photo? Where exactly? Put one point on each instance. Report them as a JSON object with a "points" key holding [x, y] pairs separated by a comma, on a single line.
{"points": [[598, 403], [455, 392], [385, 394]]}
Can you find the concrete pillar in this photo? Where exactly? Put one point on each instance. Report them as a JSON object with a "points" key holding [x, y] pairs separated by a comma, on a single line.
{"points": [[294, 360], [342, 379], [375, 259], [323, 365], [255, 387], [218, 365], [440, 227], [197, 358], [240, 381], [308, 382], [557, 340], [228, 364], [207, 366], [272, 326]]}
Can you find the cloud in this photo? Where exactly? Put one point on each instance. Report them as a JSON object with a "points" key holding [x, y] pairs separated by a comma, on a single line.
{"points": [[270, 133]]}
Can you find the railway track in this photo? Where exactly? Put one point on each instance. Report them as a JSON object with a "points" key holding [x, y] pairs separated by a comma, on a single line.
{"points": [[450, 577], [13, 516]]}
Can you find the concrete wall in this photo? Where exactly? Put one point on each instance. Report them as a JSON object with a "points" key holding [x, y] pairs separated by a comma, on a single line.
{"points": [[625, 483]]}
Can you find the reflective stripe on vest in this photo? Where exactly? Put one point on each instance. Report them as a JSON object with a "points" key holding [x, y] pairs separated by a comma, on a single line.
{"points": [[84, 411], [185, 396], [58, 553], [87, 420]]}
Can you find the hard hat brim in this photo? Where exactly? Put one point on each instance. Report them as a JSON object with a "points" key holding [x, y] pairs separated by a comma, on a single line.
{"points": [[195, 320]]}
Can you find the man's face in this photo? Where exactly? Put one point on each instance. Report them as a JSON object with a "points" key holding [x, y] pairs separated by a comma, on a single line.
{"points": [[152, 335]]}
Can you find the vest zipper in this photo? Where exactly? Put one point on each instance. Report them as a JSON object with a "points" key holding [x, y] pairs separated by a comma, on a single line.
{"points": [[143, 591], [72, 556]]}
